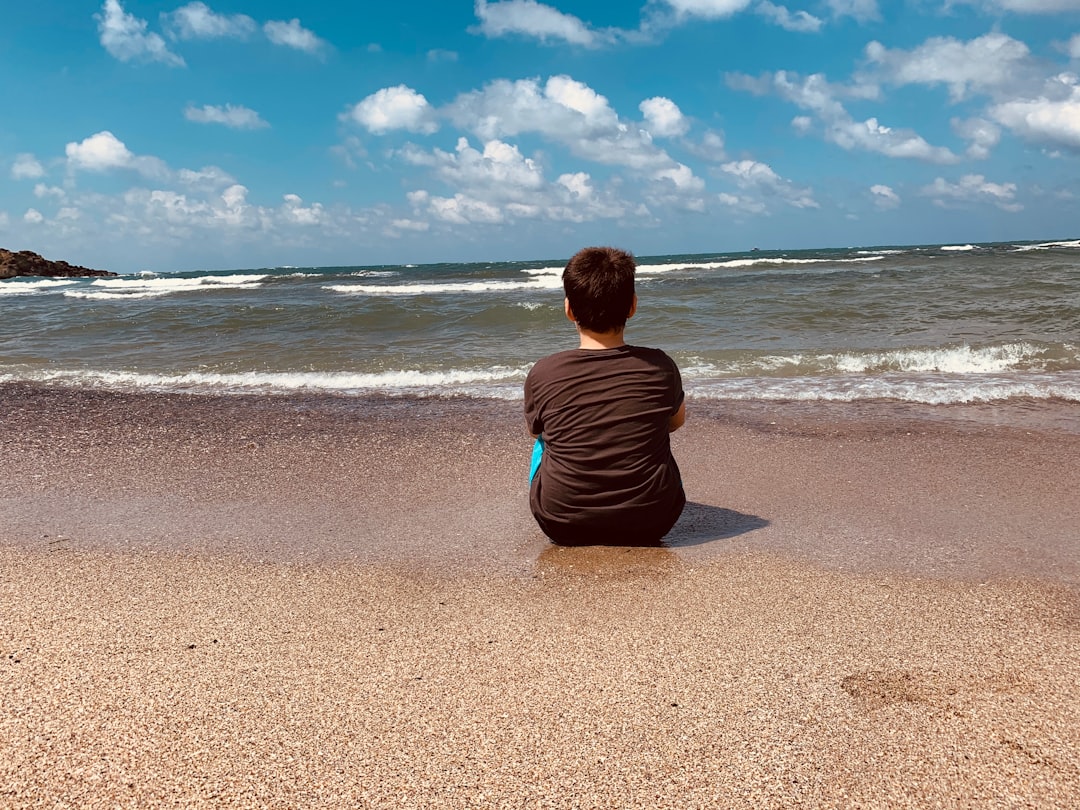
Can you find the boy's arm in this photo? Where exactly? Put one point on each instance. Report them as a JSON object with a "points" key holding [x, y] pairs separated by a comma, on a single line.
{"points": [[678, 418]]}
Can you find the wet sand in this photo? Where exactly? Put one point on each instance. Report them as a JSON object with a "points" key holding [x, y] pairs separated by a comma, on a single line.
{"points": [[315, 602]]}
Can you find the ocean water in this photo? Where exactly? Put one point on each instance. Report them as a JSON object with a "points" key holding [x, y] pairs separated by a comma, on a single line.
{"points": [[938, 325]]}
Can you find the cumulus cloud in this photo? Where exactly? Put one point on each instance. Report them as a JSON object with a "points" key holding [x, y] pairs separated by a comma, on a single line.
{"points": [[985, 64], [814, 93], [393, 108], [982, 136], [760, 177], [884, 197], [861, 10], [103, 152], [26, 167], [437, 55], [1054, 121], [1073, 48], [293, 35], [293, 210], [233, 116], [125, 37], [499, 184], [533, 19], [197, 21], [972, 188], [210, 178], [99, 152], [564, 111], [1026, 6], [664, 118], [42, 191], [708, 9], [799, 21]]}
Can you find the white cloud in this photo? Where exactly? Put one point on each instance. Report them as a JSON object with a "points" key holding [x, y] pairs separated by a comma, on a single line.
{"points": [[1074, 46], [99, 152], [293, 35], [709, 9], [233, 116], [392, 108], [125, 37], [438, 55], [33, 217], [42, 191], [500, 184], [814, 93], [972, 188], [26, 167], [1027, 6], [197, 21], [884, 197], [1044, 120], [985, 64], [872, 136], [293, 210], [103, 151], [711, 147], [564, 111], [664, 118], [414, 225], [759, 177], [533, 19], [799, 21], [209, 178], [861, 10], [981, 134]]}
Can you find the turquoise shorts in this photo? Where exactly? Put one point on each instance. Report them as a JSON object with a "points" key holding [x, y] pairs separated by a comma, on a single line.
{"points": [[537, 454]]}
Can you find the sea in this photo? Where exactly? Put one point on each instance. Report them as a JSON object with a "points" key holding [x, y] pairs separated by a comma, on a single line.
{"points": [[936, 325]]}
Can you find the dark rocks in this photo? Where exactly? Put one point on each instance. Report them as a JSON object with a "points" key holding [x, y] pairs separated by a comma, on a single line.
{"points": [[27, 263]]}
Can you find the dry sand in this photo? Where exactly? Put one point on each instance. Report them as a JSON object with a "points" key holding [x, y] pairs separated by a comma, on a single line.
{"points": [[293, 603]]}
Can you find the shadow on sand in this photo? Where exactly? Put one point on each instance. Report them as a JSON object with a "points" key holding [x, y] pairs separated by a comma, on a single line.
{"points": [[701, 523], [614, 560]]}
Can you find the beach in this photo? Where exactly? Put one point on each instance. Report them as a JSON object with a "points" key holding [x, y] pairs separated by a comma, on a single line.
{"points": [[311, 600]]}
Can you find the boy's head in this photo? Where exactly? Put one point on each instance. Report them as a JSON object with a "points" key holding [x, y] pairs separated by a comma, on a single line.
{"points": [[599, 284]]}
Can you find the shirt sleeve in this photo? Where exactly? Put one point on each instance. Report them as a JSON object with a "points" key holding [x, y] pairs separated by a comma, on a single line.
{"points": [[676, 381], [533, 420]]}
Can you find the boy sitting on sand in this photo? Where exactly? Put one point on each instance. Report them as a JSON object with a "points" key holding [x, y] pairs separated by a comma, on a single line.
{"points": [[603, 471]]}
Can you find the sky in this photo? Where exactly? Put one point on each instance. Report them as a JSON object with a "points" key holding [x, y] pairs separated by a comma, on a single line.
{"points": [[165, 136]]}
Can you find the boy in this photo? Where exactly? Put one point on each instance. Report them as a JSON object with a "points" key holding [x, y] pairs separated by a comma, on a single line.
{"points": [[601, 415]]}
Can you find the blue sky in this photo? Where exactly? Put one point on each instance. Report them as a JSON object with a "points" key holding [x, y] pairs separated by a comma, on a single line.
{"points": [[232, 133]]}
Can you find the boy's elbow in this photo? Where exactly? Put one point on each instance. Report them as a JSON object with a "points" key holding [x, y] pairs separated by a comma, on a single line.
{"points": [[678, 419]]}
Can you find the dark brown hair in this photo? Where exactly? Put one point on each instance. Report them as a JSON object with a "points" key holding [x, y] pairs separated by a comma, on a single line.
{"points": [[599, 283]]}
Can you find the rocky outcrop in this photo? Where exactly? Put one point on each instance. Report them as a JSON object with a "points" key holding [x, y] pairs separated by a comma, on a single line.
{"points": [[27, 263]]}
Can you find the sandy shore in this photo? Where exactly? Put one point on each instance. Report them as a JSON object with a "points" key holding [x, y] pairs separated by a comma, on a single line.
{"points": [[299, 603]]}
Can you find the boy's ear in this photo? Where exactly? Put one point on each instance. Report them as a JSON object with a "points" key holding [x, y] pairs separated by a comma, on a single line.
{"points": [[569, 312], [633, 308]]}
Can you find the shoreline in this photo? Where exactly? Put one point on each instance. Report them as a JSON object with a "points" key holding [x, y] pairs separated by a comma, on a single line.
{"points": [[304, 602], [439, 484]]}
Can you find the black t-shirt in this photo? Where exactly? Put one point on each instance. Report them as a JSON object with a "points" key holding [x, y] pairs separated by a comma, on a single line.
{"points": [[607, 472]]}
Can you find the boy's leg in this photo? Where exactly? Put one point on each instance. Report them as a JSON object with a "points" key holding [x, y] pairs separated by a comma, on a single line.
{"points": [[537, 454]]}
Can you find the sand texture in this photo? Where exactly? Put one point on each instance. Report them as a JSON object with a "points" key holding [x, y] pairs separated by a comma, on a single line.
{"points": [[288, 603]]}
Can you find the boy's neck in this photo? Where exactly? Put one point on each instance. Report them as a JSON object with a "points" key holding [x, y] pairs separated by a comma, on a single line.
{"points": [[601, 340]]}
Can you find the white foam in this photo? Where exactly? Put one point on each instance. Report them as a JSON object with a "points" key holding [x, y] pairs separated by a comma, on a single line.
{"points": [[155, 287], [1075, 243], [31, 287], [446, 288], [959, 247], [925, 389], [450, 381]]}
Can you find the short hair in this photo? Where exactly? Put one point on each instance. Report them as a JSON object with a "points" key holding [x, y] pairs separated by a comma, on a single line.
{"points": [[599, 283]]}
